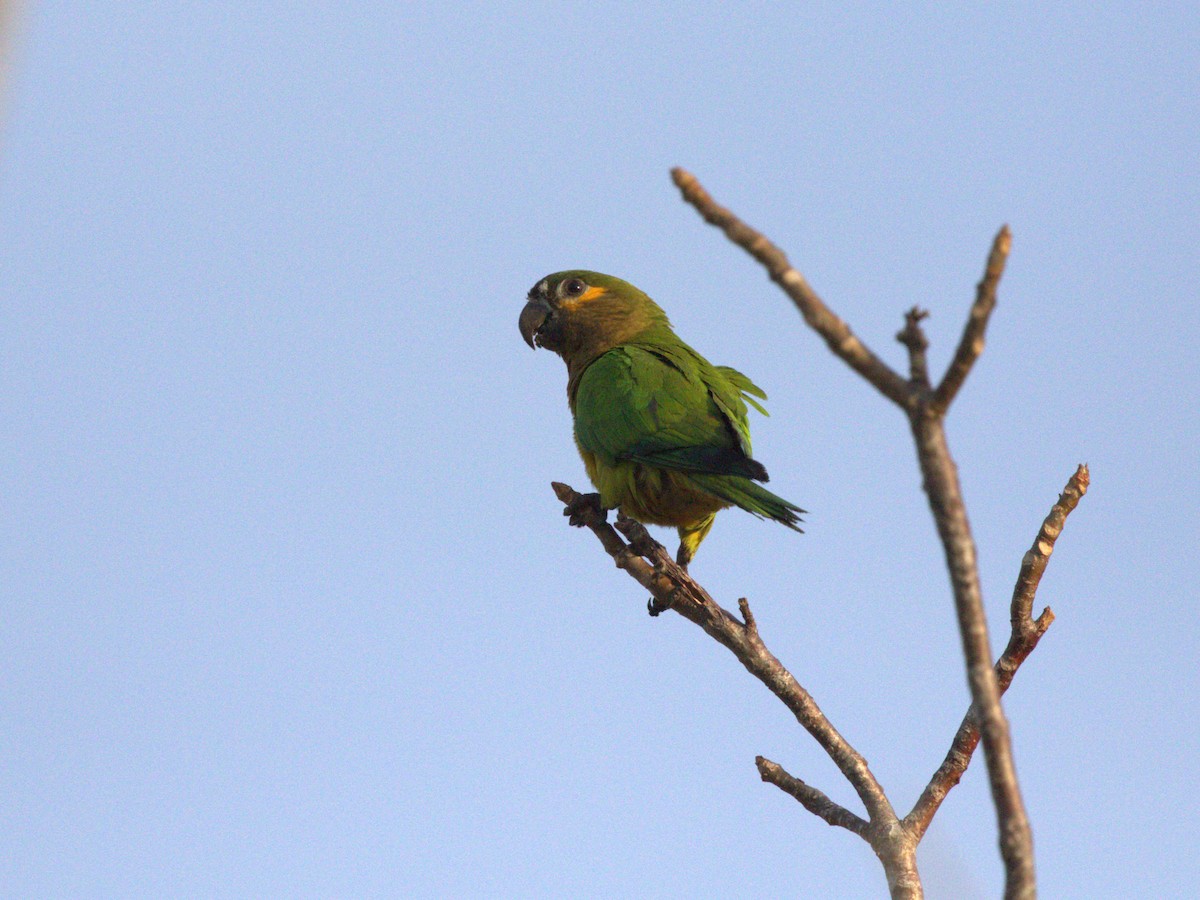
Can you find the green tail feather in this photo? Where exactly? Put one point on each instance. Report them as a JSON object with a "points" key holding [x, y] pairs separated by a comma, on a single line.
{"points": [[753, 498]]}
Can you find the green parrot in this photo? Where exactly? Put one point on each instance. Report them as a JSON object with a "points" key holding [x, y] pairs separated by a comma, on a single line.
{"points": [[662, 431]]}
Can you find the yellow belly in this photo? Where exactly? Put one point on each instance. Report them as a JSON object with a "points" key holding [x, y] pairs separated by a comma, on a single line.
{"points": [[651, 495]]}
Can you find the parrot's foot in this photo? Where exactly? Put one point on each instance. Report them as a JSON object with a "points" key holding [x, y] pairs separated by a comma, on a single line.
{"points": [[582, 508]]}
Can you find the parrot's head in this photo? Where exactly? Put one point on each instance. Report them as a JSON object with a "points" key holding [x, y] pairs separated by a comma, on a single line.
{"points": [[580, 314]]}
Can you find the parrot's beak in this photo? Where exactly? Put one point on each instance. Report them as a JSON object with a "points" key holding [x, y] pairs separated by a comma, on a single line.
{"points": [[535, 313]]}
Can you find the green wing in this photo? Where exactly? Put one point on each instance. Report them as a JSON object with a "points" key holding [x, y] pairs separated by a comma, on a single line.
{"points": [[747, 388], [666, 406]]}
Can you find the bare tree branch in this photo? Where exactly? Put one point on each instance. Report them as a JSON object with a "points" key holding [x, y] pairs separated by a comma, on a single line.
{"points": [[1026, 632], [942, 488], [893, 840], [837, 334], [673, 588], [812, 799], [1033, 566], [970, 346], [926, 411]]}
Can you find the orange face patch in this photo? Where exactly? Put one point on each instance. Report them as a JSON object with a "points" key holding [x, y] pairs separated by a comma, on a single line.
{"points": [[590, 294]]}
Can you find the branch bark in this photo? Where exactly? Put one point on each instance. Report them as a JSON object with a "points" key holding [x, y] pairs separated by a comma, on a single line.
{"points": [[893, 840]]}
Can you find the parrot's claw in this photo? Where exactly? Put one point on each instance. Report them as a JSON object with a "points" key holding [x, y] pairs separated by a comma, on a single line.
{"points": [[657, 607], [583, 508]]}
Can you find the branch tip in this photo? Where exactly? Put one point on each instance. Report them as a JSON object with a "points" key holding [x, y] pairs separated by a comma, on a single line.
{"points": [[1003, 243], [970, 345], [912, 336], [748, 624], [1033, 565], [1083, 478]]}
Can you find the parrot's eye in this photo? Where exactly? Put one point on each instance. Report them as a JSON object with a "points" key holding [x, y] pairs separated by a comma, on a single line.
{"points": [[573, 287]]}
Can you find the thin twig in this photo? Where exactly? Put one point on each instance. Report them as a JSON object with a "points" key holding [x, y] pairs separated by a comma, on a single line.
{"points": [[912, 336], [970, 346], [812, 799], [673, 588], [944, 492], [1033, 566], [837, 334], [1026, 632]]}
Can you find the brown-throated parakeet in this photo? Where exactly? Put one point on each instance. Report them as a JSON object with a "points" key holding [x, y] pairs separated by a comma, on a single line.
{"points": [[662, 431]]}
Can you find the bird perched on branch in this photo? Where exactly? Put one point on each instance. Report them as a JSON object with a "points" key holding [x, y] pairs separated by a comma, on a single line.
{"points": [[662, 431]]}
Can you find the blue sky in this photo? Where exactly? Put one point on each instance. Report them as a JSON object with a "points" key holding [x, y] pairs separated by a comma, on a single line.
{"points": [[288, 606]]}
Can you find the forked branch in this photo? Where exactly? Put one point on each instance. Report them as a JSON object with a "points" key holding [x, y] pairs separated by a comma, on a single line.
{"points": [[837, 334], [1026, 632], [672, 588], [812, 799], [926, 408]]}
